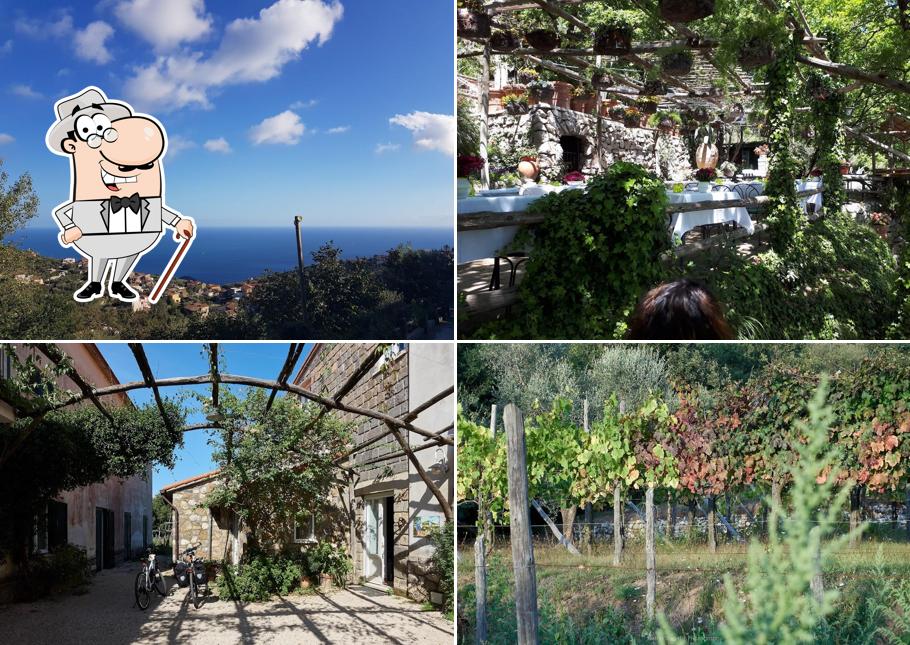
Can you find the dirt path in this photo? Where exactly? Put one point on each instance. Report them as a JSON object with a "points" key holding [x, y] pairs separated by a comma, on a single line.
{"points": [[105, 614]]}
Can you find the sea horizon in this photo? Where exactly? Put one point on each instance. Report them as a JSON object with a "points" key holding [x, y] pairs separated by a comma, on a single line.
{"points": [[229, 254]]}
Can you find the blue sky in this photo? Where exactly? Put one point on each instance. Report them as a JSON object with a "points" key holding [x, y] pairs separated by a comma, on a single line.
{"points": [[337, 110], [263, 360]]}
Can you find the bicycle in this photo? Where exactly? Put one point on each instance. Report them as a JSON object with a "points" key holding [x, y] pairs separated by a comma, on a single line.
{"points": [[192, 569], [147, 579]]}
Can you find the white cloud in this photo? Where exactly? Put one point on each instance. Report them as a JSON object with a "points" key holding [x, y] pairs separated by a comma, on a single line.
{"points": [[26, 92], [177, 144], [382, 148], [217, 145], [37, 29], [6, 47], [251, 50], [430, 131], [283, 128], [302, 105], [165, 23], [6, 138], [89, 42], [341, 129]]}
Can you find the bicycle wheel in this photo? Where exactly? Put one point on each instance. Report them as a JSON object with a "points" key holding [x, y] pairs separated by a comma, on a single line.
{"points": [[194, 594], [142, 591], [159, 584]]}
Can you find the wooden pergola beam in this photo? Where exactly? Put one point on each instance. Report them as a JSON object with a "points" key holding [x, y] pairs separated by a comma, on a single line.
{"points": [[149, 378], [235, 379], [294, 351], [213, 363], [848, 71], [53, 353], [437, 493], [856, 134], [401, 453]]}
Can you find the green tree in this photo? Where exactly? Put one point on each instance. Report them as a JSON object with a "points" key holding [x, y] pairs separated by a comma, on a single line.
{"points": [[18, 202]]}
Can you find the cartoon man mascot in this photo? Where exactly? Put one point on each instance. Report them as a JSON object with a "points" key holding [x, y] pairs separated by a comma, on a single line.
{"points": [[117, 211]]}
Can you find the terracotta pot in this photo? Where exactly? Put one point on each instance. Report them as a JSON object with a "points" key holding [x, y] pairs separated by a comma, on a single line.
{"points": [[472, 24], [600, 79], [685, 10], [844, 169], [706, 155], [563, 92], [612, 40], [496, 98], [504, 41], [543, 95], [584, 103], [528, 168], [544, 39]]}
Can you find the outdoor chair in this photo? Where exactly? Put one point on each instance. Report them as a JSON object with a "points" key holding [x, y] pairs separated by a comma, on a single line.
{"points": [[745, 190], [719, 188], [515, 260]]}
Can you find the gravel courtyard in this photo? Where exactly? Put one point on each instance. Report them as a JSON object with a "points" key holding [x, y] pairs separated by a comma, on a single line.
{"points": [[105, 614]]}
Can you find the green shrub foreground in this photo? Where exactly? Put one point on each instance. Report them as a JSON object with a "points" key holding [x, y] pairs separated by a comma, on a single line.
{"points": [[65, 569]]}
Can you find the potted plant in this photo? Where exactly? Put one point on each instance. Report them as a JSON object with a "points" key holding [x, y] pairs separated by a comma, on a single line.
{"points": [[573, 178], [504, 41], [647, 104], [468, 166], [665, 121], [527, 74], [631, 117], [473, 21], [755, 52], [613, 37], [704, 177], [728, 169], [844, 167], [542, 39], [541, 90], [583, 100], [717, 88], [515, 103], [563, 94], [617, 112], [600, 77], [677, 63], [705, 152], [881, 223], [654, 87], [528, 168], [685, 10]]}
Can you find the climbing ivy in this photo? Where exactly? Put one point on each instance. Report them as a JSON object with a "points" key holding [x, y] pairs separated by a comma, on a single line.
{"points": [[829, 136]]}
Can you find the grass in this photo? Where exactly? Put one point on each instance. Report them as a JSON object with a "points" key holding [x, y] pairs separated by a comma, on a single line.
{"points": [[587, 600]]}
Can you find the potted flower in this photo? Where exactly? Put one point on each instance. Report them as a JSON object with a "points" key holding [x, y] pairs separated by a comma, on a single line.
{"points": [[541, 90], [647, 104], [728, 169], [815, 172], [527, 74], [631, 117], [665, 121], [473, 21], [685, 10], [515, 103], [468, 166], [844, 167], [704, 177], [762, 150], [617, 112], [573, 178], [600, 77], [614, 37], [677, 63], [583, 100], [563, 94], [881, 222], [504, 41]]}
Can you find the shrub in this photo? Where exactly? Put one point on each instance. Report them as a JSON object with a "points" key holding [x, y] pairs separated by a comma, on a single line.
{"points": [[326, 558], [65, 569], [442, 563], [259, 578]]}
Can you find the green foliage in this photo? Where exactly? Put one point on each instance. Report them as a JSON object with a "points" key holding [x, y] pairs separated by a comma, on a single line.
{"points": [[161, 512], [18, 204], [593, 255], [829, 137], [442, 563], [481, 474], [64, 570], [467, 129], [325, 558], [259, 578]]}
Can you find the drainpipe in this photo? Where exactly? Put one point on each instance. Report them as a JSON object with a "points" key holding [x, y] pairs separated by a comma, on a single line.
{"points": [[210, 534], [175, 530]]}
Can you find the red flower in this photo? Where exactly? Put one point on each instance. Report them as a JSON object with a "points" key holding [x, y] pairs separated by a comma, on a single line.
{"points": [[705, 174], [469, 165], [573, 176]]}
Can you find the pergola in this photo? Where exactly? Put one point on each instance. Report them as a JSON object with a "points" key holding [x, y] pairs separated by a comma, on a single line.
{"points": [[393, 425], [572, 63]]}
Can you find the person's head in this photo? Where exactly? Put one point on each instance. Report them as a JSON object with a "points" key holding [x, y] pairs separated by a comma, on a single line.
{"points": [[680, 310]]}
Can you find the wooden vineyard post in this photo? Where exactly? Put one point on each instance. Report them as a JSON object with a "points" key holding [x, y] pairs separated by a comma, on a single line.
{"points": [[617, 523], [712, 523], [480, 583], [649, 553], [588, 509], [817, 585], [522, 550]]}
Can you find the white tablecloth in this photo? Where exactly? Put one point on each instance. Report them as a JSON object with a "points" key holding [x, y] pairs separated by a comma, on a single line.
{"points": [[815, 199], [681, 223]]}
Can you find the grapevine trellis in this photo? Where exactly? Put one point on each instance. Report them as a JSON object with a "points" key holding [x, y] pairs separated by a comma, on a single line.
{"points": [[394, 426]]}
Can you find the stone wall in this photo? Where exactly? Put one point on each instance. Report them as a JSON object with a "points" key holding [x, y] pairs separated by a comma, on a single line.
{"points": [[543, 125], [193, 523]]}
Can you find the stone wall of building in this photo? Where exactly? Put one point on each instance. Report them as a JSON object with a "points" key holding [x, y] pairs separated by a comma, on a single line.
{"points": [[193, 523], [543, 125]]}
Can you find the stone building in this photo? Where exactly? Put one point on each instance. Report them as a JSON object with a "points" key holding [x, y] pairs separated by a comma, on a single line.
{"points": [[217, 534], [111, 520]]}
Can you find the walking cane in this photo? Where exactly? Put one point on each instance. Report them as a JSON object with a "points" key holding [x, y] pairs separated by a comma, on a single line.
{"points": [[165, 278]]}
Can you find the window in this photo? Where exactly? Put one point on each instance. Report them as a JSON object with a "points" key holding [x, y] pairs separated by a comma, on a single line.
{"points": [[573, 153], [390, 355], [305, 528], [6, 364], [56, 525]]}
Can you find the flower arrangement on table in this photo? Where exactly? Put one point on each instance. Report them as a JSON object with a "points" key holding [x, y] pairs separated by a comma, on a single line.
{"points": [[728, 168], [469, 166], [705, 174], [762, 150], [573, 177]]}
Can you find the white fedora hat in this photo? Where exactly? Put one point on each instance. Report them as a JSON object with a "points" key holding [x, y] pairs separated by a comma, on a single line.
{"points": [[90, 101]]}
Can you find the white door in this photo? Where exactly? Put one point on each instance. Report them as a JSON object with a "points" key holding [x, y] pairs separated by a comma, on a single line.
{"points": [[375, 541]]}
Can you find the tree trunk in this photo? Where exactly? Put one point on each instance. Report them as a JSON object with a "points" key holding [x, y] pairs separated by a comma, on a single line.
{"points": [[480, 584], [649, 553], [712, 527], [568, 523], [690, 518], [907, 510], [817, 585], [617, 524], [776, 493], [855, 509], [671, 519], [588, 530]]}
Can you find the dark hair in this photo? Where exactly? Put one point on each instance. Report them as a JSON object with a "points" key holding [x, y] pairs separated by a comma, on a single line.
{"points": [[680, 310]]}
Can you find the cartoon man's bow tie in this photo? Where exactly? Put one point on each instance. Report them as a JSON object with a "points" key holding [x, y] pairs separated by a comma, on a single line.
{"points": [[133, 202]]}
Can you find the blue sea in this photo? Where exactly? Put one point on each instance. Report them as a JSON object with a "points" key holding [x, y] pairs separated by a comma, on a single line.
{"points": [[226, 255]]}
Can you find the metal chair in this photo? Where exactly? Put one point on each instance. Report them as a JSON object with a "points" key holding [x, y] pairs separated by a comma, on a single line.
{"points": [[719, 188], [692, 185], [519, 257], [745, 190]]}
